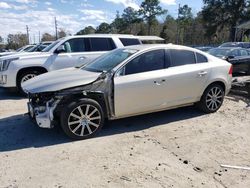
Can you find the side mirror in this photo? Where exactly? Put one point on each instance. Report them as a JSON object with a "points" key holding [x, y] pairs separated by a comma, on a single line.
{"points": [[227, 58], [60, 49], [230, 57]]}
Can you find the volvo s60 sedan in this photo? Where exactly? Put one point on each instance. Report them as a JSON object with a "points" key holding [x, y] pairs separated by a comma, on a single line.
{"points": [[127, 82]]}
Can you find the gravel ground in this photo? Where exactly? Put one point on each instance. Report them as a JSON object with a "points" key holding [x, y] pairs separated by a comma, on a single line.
{"points": [[176, 148]]}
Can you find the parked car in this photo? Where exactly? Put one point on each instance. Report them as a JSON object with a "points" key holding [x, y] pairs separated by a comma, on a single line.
{"points": [[127, 82], [22, 49], [70, 51], [238, 57], [204, 48], [224, 52], [235, 44], [241, 65], [40, 47]]}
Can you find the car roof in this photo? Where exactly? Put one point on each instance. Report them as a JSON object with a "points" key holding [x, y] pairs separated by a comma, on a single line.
{"points": [[235, 42], [100, 35], [166, 46], [230, 48]]}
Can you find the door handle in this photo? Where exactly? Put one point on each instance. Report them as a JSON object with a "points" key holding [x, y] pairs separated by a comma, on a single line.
{"points": [[159, 82], [202, 73], [82, 58]]}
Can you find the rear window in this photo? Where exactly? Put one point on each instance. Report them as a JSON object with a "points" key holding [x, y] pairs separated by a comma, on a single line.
{"points": [[182, 57], [102, 44], [129, 42], [201, 58]]}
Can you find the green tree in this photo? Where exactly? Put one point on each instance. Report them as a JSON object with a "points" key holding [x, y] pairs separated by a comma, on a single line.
{"points": [[185, 22], [86, 30], [103, 28], [62, 33], [169, 28], [48, 37], [130, 16], [117, 26], [149, 10], [220, 14], [15, 41]]}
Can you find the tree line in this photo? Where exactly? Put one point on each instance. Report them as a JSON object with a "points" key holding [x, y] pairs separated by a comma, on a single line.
{"points": [[214, 24]]}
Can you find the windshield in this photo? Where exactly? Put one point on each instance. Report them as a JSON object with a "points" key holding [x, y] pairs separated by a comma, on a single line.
{"points": [[33, 49], [109, 60], [48, 48], [20, 49], [219, 52]]}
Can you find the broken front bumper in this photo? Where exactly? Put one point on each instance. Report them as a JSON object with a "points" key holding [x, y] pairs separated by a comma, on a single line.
{"points": [[43, 115]]}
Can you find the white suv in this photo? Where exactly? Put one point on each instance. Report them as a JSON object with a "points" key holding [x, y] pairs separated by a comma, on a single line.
{"points": [[70, 51]]}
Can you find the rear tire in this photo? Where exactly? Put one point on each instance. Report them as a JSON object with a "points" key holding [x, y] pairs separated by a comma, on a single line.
{"points": [[82, 119], [212, 99], [24, 77]]}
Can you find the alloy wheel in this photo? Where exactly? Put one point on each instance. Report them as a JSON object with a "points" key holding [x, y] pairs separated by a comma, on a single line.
{"points": [[27, 77], [84, 120], [214, 98]]}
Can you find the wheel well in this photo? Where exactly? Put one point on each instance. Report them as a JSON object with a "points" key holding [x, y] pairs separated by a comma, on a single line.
{"points": [[219, 83], [39, 69], [98, 97]]}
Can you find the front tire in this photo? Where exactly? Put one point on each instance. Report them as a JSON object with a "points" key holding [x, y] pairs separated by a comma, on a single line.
{"points": [[25, 76], [212, 99], [82, 119]]}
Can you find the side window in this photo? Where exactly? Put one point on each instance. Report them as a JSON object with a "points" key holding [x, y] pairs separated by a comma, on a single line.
{"points": [[101, 44], [234, 53], [201, 58], [75, 45], [129, 42], [243, 53], [148, 61], [182, 57]]}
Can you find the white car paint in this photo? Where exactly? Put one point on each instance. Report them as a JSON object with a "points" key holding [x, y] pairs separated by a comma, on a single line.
{"points": [[60, 79], [124, 95]]}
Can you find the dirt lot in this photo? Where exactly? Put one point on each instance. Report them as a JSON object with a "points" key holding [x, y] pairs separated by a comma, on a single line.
{"points": [[177, 148]]}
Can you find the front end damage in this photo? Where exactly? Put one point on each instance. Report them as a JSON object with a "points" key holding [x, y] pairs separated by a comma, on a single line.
{"points": [[41, 109], [45, 108]]}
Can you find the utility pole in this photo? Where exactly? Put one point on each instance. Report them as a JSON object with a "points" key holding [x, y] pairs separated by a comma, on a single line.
{"points": [[28, 37], [56, 28], [39, 37], [178, 32], [34, 39]]}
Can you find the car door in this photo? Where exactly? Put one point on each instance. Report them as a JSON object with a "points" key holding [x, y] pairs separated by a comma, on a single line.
{"points": [[186, 77], [139, 85], [241, 63], [78, 51]]}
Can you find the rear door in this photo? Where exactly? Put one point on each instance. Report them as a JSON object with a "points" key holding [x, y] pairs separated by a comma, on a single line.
{"points": [[186, 77]]}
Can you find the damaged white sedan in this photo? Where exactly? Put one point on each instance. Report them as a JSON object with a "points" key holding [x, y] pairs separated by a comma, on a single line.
{"points": [[127, 82]]}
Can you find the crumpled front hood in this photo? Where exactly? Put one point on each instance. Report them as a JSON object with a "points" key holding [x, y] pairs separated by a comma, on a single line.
{"points": [[59, 80]]}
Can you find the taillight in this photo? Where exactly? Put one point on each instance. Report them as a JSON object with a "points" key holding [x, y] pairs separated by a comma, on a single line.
{"points": [[231, 70]]}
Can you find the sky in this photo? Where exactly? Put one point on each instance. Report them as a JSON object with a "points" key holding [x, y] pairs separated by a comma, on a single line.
{"points": [[72, 15]]}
